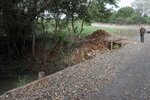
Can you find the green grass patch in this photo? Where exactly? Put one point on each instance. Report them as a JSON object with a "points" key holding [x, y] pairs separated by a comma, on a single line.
{"points": [[116, 46], [22, 81], [91, 29], [88, 29]]}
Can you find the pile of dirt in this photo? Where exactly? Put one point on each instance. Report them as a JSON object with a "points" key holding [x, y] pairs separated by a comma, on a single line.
{"points": [[93, 45], [89, 49], [98, 34], [97, 45]]}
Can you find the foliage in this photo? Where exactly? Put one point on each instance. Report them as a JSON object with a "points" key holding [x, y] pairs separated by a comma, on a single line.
{"points": [[23, 23], [20, 18], [143, 6], [116, 46], [98, 12], [18, 23], [125, 12], [22, 81], [122, 16], [128, 15]]}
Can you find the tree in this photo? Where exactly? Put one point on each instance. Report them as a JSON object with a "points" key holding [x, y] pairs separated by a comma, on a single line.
{"points": [[143, 6], [122, 16], [128, 15], [85, 10], [17, 18], [125, 12], [98, 11]]}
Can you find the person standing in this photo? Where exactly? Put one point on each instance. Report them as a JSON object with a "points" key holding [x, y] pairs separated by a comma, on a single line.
{"points": [[142, 32]]}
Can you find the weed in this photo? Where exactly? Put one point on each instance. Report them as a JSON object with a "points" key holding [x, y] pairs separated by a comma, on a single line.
{"points": [[22, 81], [116, 46]]}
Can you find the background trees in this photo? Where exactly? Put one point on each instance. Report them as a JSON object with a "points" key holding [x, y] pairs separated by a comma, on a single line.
{"points": [[129, 15], [17, 18], [123, 15], [22, 19], [27, 25], [24, 24], [143, 6]]}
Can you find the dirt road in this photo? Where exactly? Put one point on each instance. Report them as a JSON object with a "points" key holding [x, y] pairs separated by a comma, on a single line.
{"points": [[119, 26], [132, 82]]}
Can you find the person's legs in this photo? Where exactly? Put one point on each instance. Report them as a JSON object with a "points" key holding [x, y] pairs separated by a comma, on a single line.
{"points": [[141, 37]]}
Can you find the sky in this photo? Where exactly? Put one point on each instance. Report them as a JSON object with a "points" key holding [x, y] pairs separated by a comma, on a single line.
{"points": [[123, 3]]}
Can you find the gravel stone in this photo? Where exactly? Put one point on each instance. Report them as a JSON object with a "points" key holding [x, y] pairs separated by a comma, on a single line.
{"points": [[88, 80]]}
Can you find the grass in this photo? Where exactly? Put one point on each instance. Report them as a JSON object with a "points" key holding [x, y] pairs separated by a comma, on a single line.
{"points": [[87, 29], [22, 81], [125, 32], [91, 29], [116, 46]]}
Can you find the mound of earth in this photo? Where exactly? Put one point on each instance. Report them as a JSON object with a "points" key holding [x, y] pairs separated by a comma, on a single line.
{"points": [[98, 34], [93, 45]]}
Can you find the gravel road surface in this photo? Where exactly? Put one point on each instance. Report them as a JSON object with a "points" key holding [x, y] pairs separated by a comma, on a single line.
{"points": [[123, 74], [133, 81]]}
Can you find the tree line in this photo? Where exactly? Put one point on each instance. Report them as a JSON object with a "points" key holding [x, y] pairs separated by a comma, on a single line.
{"points": [[26, 26], [21, 21], [129, 15], [138, 13]]}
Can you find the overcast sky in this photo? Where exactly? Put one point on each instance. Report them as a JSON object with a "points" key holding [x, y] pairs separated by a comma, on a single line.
{"points": [[123, 3]]}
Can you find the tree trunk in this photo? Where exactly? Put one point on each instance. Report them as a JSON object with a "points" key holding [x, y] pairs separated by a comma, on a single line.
{"points": [[33, 44], [24, 44], [72, 22], [82, 27], [55, 30], [9, 51], [67, 21]]}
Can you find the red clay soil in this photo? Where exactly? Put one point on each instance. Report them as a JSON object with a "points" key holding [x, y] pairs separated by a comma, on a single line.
{"points": [[95, 42], [98, 34], [98, 43], [92, 43]]}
